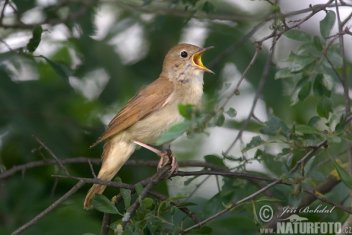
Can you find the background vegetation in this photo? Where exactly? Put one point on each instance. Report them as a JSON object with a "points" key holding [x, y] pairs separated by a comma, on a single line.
{"points": [[62, 78]]}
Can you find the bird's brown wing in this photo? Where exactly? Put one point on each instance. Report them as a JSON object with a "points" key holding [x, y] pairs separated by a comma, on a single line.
{"points": [[149, 99]]}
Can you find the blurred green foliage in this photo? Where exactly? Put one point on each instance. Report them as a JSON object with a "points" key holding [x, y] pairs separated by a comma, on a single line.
{"points": [[40, 98]]}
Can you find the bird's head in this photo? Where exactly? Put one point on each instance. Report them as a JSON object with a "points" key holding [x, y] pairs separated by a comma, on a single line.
{"points": [[184, 61]]}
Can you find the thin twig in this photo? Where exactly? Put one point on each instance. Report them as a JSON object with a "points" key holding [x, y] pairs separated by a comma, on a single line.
{"points": [[2, 14], [233, 205], [97, 181], [92, 169], [240, 175], [345, 78], [160, 175], [344, 63], [38, 217], [78, 160], [259, 90], [304, 159], [197, 186], [52, 192], [318, 196], [105, 225], [344, 22], [130, 187], [236, 90], [160, 10], [322, 188], [52, 154], [7, 45]]}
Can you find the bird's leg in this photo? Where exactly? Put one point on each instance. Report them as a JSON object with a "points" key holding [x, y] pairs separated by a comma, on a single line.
{"points": [[166, 156]]}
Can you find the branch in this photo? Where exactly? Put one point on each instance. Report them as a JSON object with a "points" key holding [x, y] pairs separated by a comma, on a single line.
{"points": [[344, 63], [236, 90], [258, 92], [2, 14], [165, 10], [51, 153], [38, 217], [105, 225], [180, 12], [299, 163], [161, 174], [86, 4], [132, 188], [345, 78], [233, 205], [46, 162], [21, 168], [319, 196], [222, 173], [322, 188]]}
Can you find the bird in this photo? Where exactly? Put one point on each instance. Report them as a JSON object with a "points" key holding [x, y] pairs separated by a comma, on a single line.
{"points": [[152, 112]]}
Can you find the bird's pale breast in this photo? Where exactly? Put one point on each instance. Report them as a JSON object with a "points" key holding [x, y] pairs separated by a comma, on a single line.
{"points": [[149, 129]]}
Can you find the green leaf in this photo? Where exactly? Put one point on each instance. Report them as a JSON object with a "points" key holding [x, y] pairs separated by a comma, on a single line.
{"points": [[139, 188], [275, 8], [335, 57], [311, 141], [174, 132], [126, 195], [208, 7], [283, 73], [317, 43], [314, 121], [186, 110], [185, 204], [255, 142], [214, 159], [341, 125], [321, 86], [298, 35], [308, 50], [275, 126], [327, 23], [147, 202], [103, 204], [267, 199], [36, 38], [334, 139], [205, 230], [220, 120], [299, 62], [344, 175], [146, 2], [231, 112], [324, 107], [305, 91], [59, 68], [23, 6], [306, 129]]}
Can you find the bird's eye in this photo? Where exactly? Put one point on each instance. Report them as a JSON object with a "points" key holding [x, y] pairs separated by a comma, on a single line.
{"points": [[184, 54]]}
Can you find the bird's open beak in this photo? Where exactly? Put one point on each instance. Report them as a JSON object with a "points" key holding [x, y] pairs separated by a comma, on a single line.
{"points": [[197, 59]]}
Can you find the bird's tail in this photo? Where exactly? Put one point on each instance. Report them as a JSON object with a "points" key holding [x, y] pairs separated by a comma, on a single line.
{"points": [[116, 153]]}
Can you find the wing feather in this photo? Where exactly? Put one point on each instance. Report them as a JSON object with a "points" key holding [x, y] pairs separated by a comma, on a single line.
{"points": [[149, 99]]}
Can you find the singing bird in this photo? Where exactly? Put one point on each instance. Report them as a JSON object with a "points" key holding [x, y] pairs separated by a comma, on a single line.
{"points": [[152, 111]]}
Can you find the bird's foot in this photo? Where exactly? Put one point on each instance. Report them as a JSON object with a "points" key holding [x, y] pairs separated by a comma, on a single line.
{"points": [[166, 157]]}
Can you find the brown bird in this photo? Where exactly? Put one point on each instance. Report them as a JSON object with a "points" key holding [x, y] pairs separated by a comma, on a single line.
{"points": [[152, 111]]}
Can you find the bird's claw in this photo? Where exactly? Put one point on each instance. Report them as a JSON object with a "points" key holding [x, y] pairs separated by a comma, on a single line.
{"points": [[166, 157]]}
